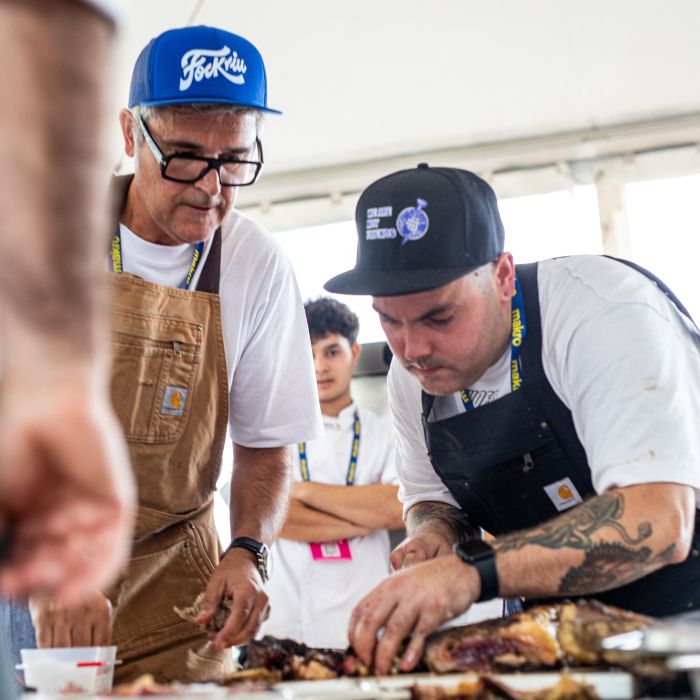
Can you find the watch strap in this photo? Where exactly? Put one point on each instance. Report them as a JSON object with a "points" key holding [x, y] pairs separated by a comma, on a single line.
{"points": [[257, 548], [484, 561], [486, 568]]}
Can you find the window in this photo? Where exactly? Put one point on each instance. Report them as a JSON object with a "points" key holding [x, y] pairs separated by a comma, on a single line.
{"points": [[664, 224], [550, 225]]}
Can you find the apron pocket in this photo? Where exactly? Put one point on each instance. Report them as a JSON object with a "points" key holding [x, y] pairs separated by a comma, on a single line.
{"points": [[155, 583], [515, 492], [154, 363], [509, 494]]}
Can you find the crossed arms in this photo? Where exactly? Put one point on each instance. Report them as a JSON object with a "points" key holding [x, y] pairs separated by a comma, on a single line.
{"points": [[325, 512]]}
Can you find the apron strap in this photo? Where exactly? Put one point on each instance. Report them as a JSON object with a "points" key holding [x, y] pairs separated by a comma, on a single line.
{"points": [[211, 272]]}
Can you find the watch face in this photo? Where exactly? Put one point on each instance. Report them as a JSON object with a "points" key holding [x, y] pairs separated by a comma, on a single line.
{"points": [[473, 549], [265, 561]]}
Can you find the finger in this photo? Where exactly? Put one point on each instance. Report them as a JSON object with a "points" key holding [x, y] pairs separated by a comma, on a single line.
{"points": [[80, 629], [399, 625], [396, 558], [238, 617], [367, 619], [415, 556], [257, 616], [413, 652], [62, 631], [212, 597], [43, 629], [101, 633]]}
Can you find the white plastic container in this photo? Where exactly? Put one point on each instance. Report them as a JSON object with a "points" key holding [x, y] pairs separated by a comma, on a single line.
{"points": [[80, 669]]}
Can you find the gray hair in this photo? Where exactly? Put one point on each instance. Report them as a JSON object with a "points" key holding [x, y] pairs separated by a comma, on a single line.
{"points": [[147, 113]]}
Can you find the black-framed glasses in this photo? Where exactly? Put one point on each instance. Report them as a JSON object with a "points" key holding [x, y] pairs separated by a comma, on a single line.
{"points": [[185, 167]]}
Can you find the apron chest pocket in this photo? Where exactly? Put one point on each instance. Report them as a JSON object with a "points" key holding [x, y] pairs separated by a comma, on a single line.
{"points": [[154, 365], [517, 491]]}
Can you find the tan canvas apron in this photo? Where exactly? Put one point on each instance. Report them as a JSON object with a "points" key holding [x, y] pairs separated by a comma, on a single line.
{"points": [[170, 393]]}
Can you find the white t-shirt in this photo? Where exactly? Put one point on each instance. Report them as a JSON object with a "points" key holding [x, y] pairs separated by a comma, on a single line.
{"points": [[311, 601], [273, 395], [617, 353]]}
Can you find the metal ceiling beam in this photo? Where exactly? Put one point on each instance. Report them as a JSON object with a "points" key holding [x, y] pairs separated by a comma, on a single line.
{"points": [[489, 159]]}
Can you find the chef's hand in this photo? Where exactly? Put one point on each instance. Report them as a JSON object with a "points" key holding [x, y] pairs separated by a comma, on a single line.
{"points": [[413, 602], [429, 542], [66, 485], [236, 576], [84, 625]]}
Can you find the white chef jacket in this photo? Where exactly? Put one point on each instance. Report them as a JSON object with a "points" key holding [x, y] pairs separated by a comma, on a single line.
{"points": [[311, 601]]}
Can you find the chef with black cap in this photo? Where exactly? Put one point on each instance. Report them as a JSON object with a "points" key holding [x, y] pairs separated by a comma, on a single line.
{"points": [[553, 405]]}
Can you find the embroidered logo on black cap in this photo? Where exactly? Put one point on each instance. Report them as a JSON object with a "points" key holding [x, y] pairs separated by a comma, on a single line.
{"points": [[412, 222]]}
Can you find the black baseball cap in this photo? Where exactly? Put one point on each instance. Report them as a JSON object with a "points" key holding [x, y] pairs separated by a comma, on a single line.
{"points": [[419, 229]]}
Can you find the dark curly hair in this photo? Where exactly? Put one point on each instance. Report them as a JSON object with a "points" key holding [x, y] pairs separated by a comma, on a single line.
{"points": [[325, 316]]}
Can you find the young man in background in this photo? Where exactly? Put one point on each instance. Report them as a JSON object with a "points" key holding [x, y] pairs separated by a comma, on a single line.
{"points": [[334, 546]]}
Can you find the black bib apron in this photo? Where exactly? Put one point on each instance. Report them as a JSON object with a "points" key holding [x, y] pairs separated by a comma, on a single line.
{"points": [[497, 459]]}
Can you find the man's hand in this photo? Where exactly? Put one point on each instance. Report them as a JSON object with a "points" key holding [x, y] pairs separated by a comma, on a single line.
{"points": [[413, 602], [66, 486], [428, 543], [85, 625], [237, 577], [433, 528]]}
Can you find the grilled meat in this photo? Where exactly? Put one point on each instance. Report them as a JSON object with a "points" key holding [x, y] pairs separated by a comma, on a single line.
{"points": [[547, 636], [523, 641], [294, 661]]}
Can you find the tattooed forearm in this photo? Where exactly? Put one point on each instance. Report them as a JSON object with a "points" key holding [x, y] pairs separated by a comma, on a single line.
{"points": [[576, 527], [453, 519], [610, 565]]}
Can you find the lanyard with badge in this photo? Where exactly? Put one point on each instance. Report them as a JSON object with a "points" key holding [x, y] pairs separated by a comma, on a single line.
{"points": [[517, 336], [118, 259], [340, 549]]}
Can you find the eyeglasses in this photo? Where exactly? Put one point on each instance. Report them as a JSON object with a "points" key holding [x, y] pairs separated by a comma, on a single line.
{"points": [[184, 167]]}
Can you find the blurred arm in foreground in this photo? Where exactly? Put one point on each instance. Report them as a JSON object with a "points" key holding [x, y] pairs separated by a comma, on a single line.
{"points": [[65, 482]]}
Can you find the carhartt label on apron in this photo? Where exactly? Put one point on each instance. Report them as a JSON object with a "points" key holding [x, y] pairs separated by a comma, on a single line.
{"points": [[174, 401], [331, 551], [563, 494]]}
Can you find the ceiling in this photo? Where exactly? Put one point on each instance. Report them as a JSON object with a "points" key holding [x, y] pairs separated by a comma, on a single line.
{"points": [[367, 81]]}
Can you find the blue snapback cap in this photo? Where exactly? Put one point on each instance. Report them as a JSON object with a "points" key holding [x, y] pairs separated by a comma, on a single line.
{"points": [[199, 64]]}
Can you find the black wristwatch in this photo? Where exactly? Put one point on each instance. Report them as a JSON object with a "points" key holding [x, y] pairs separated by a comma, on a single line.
{"points": [[261, 551], [481, 556]]}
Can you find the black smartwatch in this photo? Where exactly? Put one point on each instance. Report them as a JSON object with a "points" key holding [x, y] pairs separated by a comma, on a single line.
{"points": [[481, 556], [259, 549]]}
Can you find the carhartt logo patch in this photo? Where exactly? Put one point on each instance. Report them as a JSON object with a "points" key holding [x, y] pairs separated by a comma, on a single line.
{"points": [[174, 401], [563, 494]]}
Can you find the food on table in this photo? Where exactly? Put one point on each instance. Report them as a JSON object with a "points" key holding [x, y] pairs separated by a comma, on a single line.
{"points": [[294, 661], [217, 622], [546, 636], [486, 688]]}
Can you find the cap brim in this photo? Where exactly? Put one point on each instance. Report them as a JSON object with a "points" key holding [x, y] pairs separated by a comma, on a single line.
{"points": [[203, 100], [390, 283]]}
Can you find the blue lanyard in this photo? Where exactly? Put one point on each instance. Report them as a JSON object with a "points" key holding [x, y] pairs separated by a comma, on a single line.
{"points": [[517, 336], [352, 466], [118, 259]]}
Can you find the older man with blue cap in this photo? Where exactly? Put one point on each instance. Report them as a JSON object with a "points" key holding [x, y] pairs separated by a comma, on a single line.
{"points": [[202, 300]]}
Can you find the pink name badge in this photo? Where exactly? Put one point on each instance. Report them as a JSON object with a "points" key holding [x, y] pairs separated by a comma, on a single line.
{"points": [[331, 551]]}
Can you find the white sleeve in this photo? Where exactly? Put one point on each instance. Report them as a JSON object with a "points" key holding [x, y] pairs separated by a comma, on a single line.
{"points": [[274, 400], [629, 372], [417, 478], [387, 474]]}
